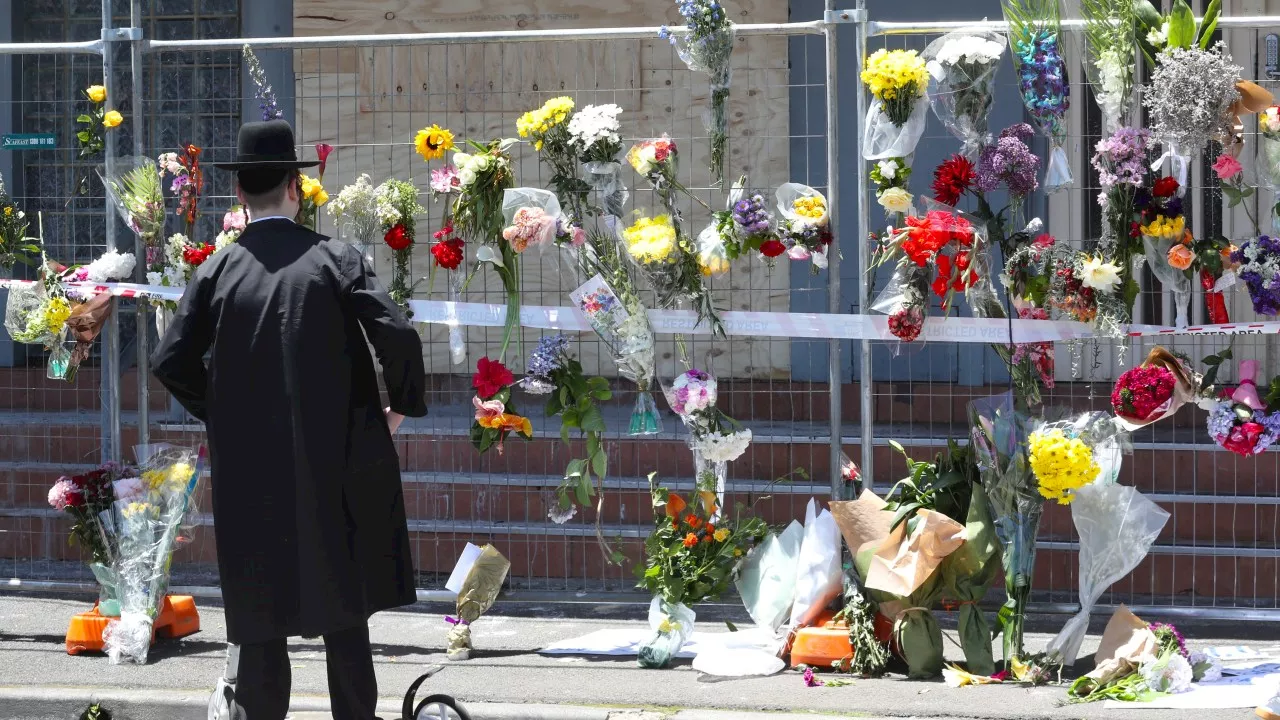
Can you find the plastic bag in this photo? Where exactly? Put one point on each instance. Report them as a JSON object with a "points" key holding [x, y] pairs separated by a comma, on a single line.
{"points": [[532, 217], [671, 626], [962, 67], [818, 579], [1171, 278], [766, 581], [1036, 47], [1117, 527], [147, 527], [884, 139], [905, 300], [605, 181]]}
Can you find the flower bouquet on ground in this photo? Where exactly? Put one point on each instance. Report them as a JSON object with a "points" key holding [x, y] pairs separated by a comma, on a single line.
{"points": [[898, 82], [495, 417], [1000, 432], [622, 323], [1243, 423], [355, 211], [805, 230], [716, 438], [15, 245], [706, 46], [1035, 40], [396, 205], [575, 398], [477, 580], [145, 525], [483, 179], [1138, 662], [688, 558], [963, 66], [1154, 390], [85, 498], [1110, 58], [1258, 261]]}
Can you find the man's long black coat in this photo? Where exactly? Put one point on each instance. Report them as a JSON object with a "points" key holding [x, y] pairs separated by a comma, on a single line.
{"points": [[308, 508]]}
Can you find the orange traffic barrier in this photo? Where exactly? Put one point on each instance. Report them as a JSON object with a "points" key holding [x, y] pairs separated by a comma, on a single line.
{"points": [[178, 618]]}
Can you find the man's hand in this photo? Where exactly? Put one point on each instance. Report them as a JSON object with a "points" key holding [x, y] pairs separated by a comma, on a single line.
{"points": [[393, 420]]}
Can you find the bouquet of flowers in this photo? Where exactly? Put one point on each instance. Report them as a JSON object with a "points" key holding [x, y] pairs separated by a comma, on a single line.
{"points": [[233, 224], [716, 438], [1139, 661], [36, 314], [314, 197], [355, 211], [533, 219], [574, 397], [963, 65], [891, 177], [495, 417], [595, 133], [111, 265], [1008, 163], [97, 122], [668, 260], [1000, 433], [144, 524], [86, 497], [449, 252], [1035, 40], [1269, 163], [134, 191], [1258, 261], [1190, 96], [1110, 62], [480, 574], [1117, 527], [688, 558], [622, 323], [1121, 161], [805, 229], [1167, 240], [15, 246], [898, 81], [1242, 422], [188, 181], [396, 205], [1070, 454], [943, 238], [744, 226], [706, 46], [548, 128], [483, 179], [1154, 390]]}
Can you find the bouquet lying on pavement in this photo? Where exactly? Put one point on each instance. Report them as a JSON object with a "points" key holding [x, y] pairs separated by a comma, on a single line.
{"points": [[1138, 662], [476, 579], [145, 525]]}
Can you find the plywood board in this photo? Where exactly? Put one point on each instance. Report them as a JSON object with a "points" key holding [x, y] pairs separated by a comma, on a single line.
{"points": [[369, 102]]}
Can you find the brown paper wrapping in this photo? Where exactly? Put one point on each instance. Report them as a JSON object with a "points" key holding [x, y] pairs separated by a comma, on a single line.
{"points": [[1253, 99], [904, 562], [1185, 387], [862, 521], [1126, 644], [85, 323]]}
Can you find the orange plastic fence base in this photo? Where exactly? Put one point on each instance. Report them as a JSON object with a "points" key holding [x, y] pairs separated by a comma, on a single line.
{"points": [[178, 618], [827, 641]]}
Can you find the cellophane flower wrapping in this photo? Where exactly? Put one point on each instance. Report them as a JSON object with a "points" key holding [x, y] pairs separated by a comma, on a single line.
{"points": [[1258, 261], [1110, 55], [532, 217], [805, 227], [133, 189], [1172, 279], [29, 316], [905, 300], [963, 67], [1035, 42], [355, 210], [605, 179], [1268, 161], [898, 82], [670, 626], [1189, 98], [715, 438], [709, 50], [999, 432], [1154, 390], [1117, 526], [622, 323], [1069, 454], [147, 526]]}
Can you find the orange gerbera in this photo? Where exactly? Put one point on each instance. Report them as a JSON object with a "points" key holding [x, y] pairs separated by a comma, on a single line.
{"points": [[675, 505], [690, 540]]}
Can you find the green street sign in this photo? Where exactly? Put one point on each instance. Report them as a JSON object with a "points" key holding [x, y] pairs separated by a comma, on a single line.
{"points": [[28, 141]]}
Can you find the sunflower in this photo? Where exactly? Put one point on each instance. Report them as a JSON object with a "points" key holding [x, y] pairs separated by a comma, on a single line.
{"points": [[432, 142]]}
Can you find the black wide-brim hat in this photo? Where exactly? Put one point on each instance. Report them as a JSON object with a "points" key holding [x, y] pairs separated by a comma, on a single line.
{"points": [[266, 146]]}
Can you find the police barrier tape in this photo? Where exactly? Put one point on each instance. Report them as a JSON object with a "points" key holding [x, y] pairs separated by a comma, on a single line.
{"points": [[817, 326]]}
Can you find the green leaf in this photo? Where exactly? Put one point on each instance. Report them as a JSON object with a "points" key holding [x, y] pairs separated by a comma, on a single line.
{"points": [[1182, 25], [593, 421], [731, 626], [84, 119], [1209, 23], [599, 464], [584, 491], [905, 512], [593, 444]]}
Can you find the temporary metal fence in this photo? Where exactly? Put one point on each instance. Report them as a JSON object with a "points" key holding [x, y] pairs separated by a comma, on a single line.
{"points": [[367, 95]]}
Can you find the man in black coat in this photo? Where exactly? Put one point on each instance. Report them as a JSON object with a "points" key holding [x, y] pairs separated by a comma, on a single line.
{"points": [[308, 508]]}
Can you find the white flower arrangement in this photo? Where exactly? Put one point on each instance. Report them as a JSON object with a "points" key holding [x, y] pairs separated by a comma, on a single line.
{"points": [[360, 209], [1171, 674], [112, 265], [723, 448], [966, 49], [596, 124]]}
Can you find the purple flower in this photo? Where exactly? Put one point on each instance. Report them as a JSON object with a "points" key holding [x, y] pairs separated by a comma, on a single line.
{"points": [[751, 216], [179, 182], [1259, 261], [1009, 162], [1167, 634], [1042, 77], [1122, 160]]}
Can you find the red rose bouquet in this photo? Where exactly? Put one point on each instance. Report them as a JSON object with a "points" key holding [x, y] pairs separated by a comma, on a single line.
{"points": [[396, 204], [1153, 390]]}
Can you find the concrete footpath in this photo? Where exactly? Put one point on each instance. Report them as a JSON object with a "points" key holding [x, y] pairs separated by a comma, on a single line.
{"points": [[508, 680]]}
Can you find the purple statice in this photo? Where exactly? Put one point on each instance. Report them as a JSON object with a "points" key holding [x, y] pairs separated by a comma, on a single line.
{"points": [[1168, 635], [1122, 158], [1259, 267], [1008, 161], [751, 216], [549, 355], [1042, 77]]}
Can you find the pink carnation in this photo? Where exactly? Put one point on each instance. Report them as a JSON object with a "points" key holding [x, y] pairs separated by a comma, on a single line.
{"points": [[65, 494], [445, 179], [234, 220], [1227, 167]]}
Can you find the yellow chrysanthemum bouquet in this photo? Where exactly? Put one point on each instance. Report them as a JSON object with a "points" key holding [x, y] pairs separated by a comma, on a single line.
{"points": [[669, 260], [1069, 455], [898, 82]]}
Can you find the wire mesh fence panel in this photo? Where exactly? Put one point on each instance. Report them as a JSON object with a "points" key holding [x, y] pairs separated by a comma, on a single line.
{"points": [[1218, 551]]}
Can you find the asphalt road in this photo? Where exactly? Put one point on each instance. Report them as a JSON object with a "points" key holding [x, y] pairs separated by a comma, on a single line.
{"points": [[507, 671]]}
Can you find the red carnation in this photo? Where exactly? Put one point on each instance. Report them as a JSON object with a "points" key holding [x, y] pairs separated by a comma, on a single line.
{"points": [[448, 253], [444, 232], [772, 248], [1165, 187], [1142, 391], [195, 256], [491, 376], [397, 238], [952, 179], [1044, 241]]}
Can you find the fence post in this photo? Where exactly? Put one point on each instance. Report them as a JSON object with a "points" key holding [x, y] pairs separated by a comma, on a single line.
{"points": [[865, 379], [143, 333], [834, 370], [111, 333]]}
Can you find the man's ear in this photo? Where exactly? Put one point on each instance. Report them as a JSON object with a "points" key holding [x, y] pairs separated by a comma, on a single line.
{"points": [[240, 195], [295, 189]]}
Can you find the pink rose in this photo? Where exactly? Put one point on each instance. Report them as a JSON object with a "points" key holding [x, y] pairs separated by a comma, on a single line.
{"points": [[488, 409], [234, 220], [579, 236], [1227, 167]]}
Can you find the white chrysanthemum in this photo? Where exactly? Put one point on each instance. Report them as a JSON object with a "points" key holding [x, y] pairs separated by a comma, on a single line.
{"points": [[1204, 668], [225, 238], [971, 49], [724, 448], [595, 123], [112, 265], [1168, 675]]}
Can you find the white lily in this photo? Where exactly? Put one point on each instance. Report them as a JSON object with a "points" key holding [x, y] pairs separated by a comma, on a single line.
{"points": [[486, 253]]}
